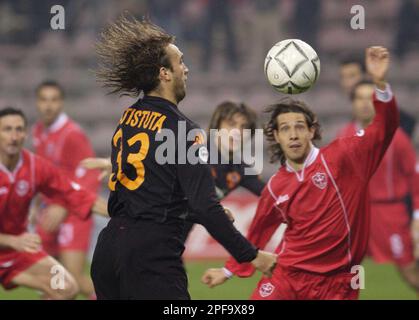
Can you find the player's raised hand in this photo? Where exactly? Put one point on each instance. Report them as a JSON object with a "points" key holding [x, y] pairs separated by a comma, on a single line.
{"points": [[102, 164], [27, 242], [377, 61], [214, 277], [265, 262]]}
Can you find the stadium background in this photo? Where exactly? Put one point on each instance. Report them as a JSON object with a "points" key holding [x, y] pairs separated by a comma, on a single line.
{"points": [[224, 43]]}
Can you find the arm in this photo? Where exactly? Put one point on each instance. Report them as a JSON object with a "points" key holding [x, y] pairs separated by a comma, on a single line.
{"points": [[55, 184], [253, 183], [365, 150], [197, 183], [263, 226], [102, 164], [27, 242]]}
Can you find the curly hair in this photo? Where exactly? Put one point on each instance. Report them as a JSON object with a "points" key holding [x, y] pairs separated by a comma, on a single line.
{"points": [[287, 105], [130, 54]]}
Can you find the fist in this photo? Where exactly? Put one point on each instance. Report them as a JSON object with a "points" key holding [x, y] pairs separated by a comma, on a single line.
{"points": [[377, 60], [214, 277], [27, 242]]}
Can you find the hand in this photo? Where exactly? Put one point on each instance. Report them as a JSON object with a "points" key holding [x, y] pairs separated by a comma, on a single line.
{"points": [[103, 164], [27, 242], [415, 235], [377, 60], [52, 217], [265, 262], [100, 207], [229, 214], [214, 277]]}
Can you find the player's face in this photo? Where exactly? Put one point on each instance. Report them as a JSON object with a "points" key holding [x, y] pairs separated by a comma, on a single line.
{"points": [[12, 134], [179, 73], [294, 136], [234, 127], [350, 75], [363, 107], [50, 104]]}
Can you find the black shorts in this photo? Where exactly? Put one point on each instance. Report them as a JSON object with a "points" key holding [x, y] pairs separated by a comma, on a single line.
{"points": [[140, 259]]}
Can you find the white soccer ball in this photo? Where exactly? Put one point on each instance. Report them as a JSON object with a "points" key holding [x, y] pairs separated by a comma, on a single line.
{"points": [[292, 66]]}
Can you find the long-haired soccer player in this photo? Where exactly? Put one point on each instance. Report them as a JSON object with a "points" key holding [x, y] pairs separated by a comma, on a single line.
{"points": [[322, 195], [138, 254]]}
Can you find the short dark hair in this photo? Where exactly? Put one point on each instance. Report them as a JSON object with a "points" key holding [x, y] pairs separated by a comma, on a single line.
{"points": [[10, 111], [227, 109], [287, 105], [50, 83], [353, 58], [356, 86], [130, 54]]}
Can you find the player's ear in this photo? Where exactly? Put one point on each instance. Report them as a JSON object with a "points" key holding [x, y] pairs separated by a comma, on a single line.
{"points": [[164, 74], [312, 131]]}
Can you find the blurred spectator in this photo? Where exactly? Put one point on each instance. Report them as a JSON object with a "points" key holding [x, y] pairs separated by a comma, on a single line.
{"points": [[219, 13], [307, 21], [407, 27]]}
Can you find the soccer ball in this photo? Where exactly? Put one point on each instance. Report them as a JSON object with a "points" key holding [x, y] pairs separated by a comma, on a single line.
{"points": [[292, 66]]}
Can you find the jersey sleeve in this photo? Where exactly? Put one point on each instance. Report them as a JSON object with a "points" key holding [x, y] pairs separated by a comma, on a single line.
{"points": [[364, 151], [198, 186], [253, 183], [263, 226], [54, 183]]}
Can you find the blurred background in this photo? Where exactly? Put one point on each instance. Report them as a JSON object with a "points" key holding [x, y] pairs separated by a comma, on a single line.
{"points": [[224, 44]]}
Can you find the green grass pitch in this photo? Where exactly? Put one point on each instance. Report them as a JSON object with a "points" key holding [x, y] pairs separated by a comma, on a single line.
{"points": [[381, 282]]}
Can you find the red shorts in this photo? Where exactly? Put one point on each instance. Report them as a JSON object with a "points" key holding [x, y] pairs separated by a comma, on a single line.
{"points": [[286, 284], [14, 262], [73, 235], [390, 239]]}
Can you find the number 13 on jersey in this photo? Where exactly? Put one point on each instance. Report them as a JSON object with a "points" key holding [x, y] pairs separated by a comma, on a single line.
{"points": [[135, 159]]}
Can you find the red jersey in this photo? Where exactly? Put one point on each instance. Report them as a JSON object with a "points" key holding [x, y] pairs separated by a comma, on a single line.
{"points": [[32, 175], [65, 144], [396, 176], [326, 204]]}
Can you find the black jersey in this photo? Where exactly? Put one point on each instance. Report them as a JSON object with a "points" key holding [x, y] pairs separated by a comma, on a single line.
{"points": [[230, 176], [142, 187]]}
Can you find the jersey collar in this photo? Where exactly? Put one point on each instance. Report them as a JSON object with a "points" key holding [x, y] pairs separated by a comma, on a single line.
{"points": [[58, 123], [12, 174], [312, 156]]}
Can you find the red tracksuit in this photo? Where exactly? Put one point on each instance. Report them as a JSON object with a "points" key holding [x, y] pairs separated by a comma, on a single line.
{"points": [[65, 144], [390, 237], [17, 189], [326, 208]]}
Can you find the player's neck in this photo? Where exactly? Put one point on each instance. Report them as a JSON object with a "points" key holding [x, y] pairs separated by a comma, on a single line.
{"points": [[161, 93], [9, 161]]}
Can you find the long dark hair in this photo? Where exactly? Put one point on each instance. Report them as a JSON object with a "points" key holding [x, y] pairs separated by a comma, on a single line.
{"points": [[287, 105], [130, 54]]}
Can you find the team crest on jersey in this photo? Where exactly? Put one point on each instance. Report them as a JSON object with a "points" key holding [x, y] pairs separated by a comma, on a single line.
{"points": [[22, 188], [319, 180], [266, 289]]}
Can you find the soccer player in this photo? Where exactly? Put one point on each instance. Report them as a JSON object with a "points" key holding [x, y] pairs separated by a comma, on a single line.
{"points": [[390, 235], [58, 138], [138, 254], [322, 196], [23, 262]]}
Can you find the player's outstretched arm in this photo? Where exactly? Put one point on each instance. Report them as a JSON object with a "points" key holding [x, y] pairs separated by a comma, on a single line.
{"points": [[102, 164], [377, 61]]}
